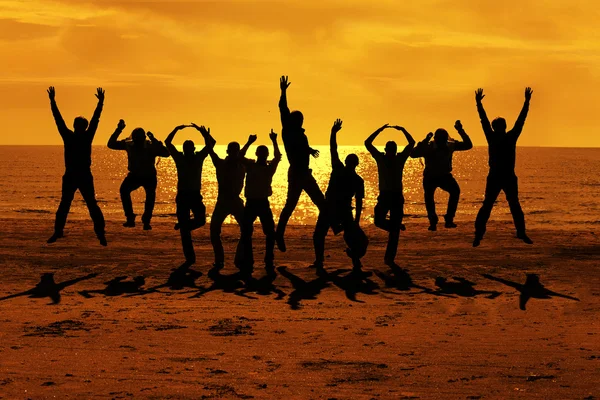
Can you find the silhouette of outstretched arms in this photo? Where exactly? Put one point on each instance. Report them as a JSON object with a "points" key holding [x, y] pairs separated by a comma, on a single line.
{"points": [[244, 150], [369, 141], [421, 148], [60, 122], [335, 157], [113, 143], [411, 142], [159, 148], [485, 122], [516, 130], [466, 143], [276, 151], [91, 130], [283, 106], [169, 141]]}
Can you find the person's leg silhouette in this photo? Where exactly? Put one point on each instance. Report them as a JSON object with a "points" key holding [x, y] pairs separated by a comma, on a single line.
{"points": [[183, 219], [450, 185], [220, 212], [268, 227], [130, 183], [293, 195], [429, 187], [69, 187], [149, 185], [86, 188], [492, 190], [511, 190]]}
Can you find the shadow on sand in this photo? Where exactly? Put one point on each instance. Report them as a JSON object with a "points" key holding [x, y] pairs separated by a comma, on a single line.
{"points": [[48, 288]]}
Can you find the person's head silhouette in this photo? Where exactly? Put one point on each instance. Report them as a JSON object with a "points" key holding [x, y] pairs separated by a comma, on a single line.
{"points": [[80, 124], [138, 136], [499, 125], [351, 161], [391, 148], [441, 137], [188, 148], [262, 153], [296, 119], [233, 149]]}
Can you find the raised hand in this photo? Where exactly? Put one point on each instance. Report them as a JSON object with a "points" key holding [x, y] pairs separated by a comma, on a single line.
{"points": [[384, 127], [479, 94], [252, 138], [203, 130], [283, 82], [458, 125], [337, 125], [429, 136], [273, 135], [180, 127], [315, 153], [51, 92], [121, 124], [150, 135], [528, 93], [100, 94], [398, 128]]}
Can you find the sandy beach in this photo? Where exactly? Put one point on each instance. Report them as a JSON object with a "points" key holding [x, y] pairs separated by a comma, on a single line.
{"points": [[393, 335]]}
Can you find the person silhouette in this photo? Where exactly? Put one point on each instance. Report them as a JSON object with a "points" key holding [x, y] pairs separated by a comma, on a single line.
{"points": [[78, 162], [298, 153], [502, 149], [259, 176], [189, 182], [141, 159], [390, 166], [438, 171], [344, 184], [230, 180]]}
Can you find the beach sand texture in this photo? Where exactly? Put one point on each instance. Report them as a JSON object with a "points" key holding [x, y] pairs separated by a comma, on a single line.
{"points": [[393, 335]]}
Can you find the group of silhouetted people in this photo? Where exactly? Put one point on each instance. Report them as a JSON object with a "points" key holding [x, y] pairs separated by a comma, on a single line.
{"points": [[336, 210]]}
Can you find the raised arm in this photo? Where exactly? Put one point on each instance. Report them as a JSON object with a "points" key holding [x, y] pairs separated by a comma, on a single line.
{"points": [[276, 151], [466, 143], [169, 141], [516, 130], [209, 141], [335, 157], [485, 122], [244, 150], [113, 143], [91, 130], [371, 138], [411, 142], [283, 106], [159, 148], [60, 122], [421, 147]]}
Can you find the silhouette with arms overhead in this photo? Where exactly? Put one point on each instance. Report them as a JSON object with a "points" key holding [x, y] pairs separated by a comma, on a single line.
{"points": [[48, 288], [344, 184], [298, 153], [390, 166], [141, 159], [189, 182], [78, 163], [259, 176], [502, 147], [532, 288], [230, 180], [438, 171]]}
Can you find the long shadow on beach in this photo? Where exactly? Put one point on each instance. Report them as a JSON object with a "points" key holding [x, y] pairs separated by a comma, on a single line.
{"points": [[118, 287], [399, 279], [228, 283], [179, 279], [264, 286], [304, 290], [532, 288], [48, 288], [353, 283], [462, 287]]}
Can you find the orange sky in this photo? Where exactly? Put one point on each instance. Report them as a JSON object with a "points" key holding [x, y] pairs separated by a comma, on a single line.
{"points": [[413, 63]]}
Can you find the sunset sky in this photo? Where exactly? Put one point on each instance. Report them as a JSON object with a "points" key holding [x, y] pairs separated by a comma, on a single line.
{"points": [[218, 63]]}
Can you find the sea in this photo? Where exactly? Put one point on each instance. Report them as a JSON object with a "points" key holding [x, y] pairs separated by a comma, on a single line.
{"points": [[558, 187]]}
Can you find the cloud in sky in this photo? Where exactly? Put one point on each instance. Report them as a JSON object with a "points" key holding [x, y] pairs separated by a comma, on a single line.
{"points": [[218, 63]]}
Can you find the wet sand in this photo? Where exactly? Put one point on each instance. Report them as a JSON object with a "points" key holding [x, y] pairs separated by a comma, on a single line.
{"points": [[393, 335]]}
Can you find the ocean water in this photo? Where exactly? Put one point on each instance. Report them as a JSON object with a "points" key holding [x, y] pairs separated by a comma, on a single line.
{"points": [[559, 187]]}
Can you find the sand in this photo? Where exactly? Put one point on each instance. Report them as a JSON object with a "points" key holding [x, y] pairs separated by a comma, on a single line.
{"points": [[394, 335]]}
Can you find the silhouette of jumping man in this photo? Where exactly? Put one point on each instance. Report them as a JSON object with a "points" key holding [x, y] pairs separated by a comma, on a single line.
{"points": [[230, 180], [390, 166], [141, 159], [344, 184], [502, 147], [298, 153], [189, 183], [438, 171], [259, 176], [78, 162]]}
